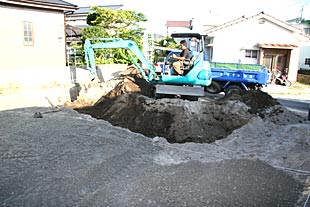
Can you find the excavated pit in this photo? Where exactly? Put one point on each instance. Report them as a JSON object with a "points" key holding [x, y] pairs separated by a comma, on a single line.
{"points": [[130, 105]]}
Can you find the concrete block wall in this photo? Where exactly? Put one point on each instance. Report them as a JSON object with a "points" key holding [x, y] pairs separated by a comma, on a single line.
{"points": [[52, 77]]}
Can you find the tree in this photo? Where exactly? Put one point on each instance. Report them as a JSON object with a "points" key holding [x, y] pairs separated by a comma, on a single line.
{"points": [[108, 23], [168, 42]]}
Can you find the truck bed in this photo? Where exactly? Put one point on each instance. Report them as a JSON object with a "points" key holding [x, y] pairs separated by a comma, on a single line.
{"points": [[234, 72]]}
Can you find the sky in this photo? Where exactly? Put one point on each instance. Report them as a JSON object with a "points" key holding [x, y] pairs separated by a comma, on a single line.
{"points": [[204, 11]]}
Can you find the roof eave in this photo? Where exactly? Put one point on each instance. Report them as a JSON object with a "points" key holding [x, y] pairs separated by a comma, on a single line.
{"points": [[41, 5], [281, 23], [257, 16], [282, 46]]}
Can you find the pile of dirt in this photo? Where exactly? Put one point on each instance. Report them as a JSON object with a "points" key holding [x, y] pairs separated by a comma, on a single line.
{"points": [[129, 105], [257, 100], [94, 93], [175, 119], [129, 84]]}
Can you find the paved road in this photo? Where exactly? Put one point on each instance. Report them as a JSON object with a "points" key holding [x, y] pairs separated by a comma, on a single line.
{"points": [[295, 105]]}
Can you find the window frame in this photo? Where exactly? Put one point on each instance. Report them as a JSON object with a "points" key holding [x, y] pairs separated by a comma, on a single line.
{"points": [[306, 30], [251, 52], [28, 38]]}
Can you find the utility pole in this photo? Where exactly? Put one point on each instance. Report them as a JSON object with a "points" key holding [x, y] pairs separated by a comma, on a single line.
{"points": [[302, 10]]}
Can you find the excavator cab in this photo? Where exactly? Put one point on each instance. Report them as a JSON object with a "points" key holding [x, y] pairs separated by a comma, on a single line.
{"points": [[186, 67], [194, 44]]}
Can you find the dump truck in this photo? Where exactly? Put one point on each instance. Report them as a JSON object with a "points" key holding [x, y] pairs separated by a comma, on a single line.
{"points": [[226, 77], [231, 77]]}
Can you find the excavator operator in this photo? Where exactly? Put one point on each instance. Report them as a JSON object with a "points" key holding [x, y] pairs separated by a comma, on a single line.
{"points": [[183, 59]]}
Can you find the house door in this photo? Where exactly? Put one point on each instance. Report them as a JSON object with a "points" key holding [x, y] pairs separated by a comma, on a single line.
{"points": [[269, 62], [274, 63], [281, 63]]}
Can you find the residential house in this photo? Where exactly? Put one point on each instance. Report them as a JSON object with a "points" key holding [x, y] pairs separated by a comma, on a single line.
{"points": [[32, 38], [304, 24], [301, 23], [258, 39]]}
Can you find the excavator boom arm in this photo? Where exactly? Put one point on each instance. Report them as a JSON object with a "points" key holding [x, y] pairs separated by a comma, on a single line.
{"points": [[116, 43]]}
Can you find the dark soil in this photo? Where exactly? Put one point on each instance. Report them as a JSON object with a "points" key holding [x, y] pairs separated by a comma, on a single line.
{"points": [[130, 83], [129, 105], [257, 100], [130, 111]]}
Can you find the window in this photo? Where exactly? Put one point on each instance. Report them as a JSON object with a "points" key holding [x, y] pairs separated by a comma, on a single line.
{"points": [[208, 41], [28, 33], [307, 61], [307, 31], [251, 53], [209, 55]]}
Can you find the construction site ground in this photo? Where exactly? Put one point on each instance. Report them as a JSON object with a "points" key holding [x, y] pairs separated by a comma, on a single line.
{"points": [[110, 144]]}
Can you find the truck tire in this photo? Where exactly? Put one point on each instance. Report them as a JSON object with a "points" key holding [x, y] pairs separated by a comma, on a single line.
{"points": [[232, 89], [213, 88]]}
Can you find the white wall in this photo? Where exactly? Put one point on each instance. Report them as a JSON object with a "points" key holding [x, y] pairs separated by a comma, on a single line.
{"points": [[229, 43], [304, 53], [49, 39], [293, 66], [77, 21], [41, 64]]}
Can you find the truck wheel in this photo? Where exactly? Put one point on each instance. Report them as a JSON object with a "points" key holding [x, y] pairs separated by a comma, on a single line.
{"points": [[232, 89], [213, 88]]}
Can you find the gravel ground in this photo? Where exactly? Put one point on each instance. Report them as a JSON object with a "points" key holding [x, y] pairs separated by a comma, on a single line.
{"points": [[69, 159]]}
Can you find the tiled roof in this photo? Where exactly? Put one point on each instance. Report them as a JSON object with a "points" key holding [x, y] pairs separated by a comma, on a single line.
{"points": [[48, 4], [58, 2], [298, 20], [73, 31], [293, 20], [257, 16], [271, 45], [178, 24]]}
